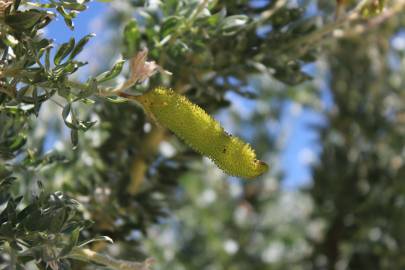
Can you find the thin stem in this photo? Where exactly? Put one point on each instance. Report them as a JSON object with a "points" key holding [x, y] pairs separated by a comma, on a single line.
{"points": [[265, 15], [352, 17], [84, 254], [197, 11], [56, 102], [11, 92], [188, 24], [77, 85], [374, 22], [2, 90]]}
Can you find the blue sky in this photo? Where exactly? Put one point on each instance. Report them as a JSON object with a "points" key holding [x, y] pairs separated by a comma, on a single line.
{"points": [[300, 149], [58, 30]]}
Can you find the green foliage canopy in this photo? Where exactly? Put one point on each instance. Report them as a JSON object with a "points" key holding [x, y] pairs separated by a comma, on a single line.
{"points": [[211, 48]]}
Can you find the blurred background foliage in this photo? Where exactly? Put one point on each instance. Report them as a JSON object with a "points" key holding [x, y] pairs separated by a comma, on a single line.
{"points": [[112, 172]]}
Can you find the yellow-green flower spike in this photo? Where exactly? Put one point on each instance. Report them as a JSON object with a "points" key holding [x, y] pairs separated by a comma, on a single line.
{"points": [[202, 132]]}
